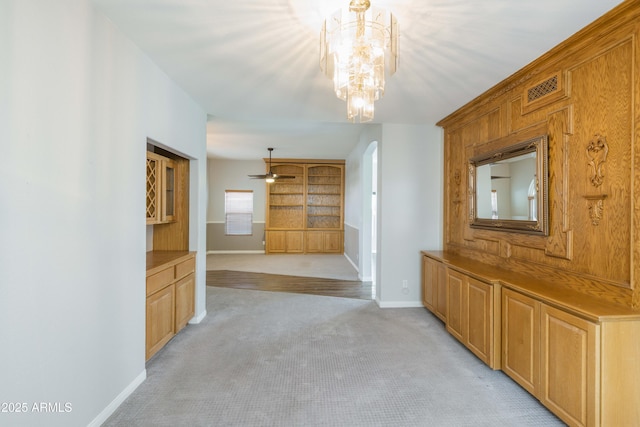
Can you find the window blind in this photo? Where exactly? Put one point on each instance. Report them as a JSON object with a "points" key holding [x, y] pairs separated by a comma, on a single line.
{"points": [[238, 207]]}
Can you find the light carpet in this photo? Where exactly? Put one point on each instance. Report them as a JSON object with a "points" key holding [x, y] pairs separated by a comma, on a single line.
{"points": [[279, 359], [328, 266]]}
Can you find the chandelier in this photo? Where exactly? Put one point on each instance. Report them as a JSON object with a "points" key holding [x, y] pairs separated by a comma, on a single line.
{"points": [[356, 46]]}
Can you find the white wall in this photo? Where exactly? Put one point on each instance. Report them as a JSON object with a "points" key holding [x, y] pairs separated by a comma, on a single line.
{"points": [[77, 102], [233, 175], [353, 175], [410, 209]]}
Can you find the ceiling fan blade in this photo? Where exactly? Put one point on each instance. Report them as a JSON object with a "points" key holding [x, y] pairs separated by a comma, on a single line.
{"points": [[270, 174]]}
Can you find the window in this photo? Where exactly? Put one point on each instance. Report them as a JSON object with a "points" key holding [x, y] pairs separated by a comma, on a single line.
{"points": [[238, 212]]}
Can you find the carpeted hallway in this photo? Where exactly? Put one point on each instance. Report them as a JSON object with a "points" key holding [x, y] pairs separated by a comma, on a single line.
{"points": [[311, 265], [281, 359]]}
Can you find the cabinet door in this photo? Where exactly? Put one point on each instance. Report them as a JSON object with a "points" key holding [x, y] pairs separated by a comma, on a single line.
{"points": [[520, 339], [154, 179], [456, 304], [160, 319], [285, 241], [429, 282], [441, 293], [332, 242], [314, 241], [276, 241], [185, 301], [168, 191], [295, 241], [569, 366], [324, 242], [480, 320]]}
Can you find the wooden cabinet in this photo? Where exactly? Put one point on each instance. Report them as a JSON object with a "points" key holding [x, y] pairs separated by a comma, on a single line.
{"points": [[170, 296], [569, 362], [469, 307], [434, 287], [324, 241], [553, 355], [154, 188], [575, 353], [520, 339], [483, 321], [585, 371], [185, 301], [441, 292], [160, 319], [471, 316], [168, 189], [324, 196], [285, 199], [285, 241], [428, 283], [161, 189], [456, 284], [305, 214]]}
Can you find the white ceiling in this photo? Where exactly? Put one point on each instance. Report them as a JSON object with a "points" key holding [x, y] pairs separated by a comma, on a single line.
{"points": [[252, 65]]}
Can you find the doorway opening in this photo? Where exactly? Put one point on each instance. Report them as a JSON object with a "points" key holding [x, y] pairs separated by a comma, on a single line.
{"points": [[369, 252]]}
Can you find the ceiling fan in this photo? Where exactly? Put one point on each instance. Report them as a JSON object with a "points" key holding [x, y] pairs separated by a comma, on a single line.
{"points": [[270, 176]]}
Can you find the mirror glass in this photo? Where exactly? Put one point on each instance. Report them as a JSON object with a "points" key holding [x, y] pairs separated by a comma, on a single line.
{"points": [[506, 192], [506, 189]]}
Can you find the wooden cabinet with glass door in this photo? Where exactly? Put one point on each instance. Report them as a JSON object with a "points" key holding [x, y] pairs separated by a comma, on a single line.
{"points": [[161, 189]]}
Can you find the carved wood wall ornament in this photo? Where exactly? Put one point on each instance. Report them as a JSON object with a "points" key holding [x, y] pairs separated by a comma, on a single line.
{"points": [[596, 208], [456, 196], [457, 177], [597, 151], [471, 193]]}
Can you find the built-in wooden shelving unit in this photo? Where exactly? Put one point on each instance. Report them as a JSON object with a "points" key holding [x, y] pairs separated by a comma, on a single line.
{"points": [[306, 213]]}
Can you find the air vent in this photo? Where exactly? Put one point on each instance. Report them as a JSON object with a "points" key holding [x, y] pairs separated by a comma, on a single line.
{"points": [[543, 92], [542, 89]]}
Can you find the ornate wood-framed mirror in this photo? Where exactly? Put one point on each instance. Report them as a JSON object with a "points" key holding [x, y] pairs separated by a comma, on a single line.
{"points": [[508, 188]]}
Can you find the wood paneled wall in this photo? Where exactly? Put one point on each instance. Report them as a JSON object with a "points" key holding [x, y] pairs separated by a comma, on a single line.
{"points": [[585, 95]]}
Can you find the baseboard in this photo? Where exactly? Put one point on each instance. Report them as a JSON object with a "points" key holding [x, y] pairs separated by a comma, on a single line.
{"points": [[199, 318], [111, 408], [235, 252], [399, 304]]}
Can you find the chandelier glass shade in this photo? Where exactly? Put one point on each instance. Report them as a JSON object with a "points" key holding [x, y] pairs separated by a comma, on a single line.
{"points": [[357, 46]]}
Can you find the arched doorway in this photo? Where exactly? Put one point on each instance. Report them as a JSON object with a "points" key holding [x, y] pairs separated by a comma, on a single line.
{"points": [[369, 235]]}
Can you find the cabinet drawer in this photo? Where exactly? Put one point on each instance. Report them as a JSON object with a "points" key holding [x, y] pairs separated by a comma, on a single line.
{"points": [[185, 267], [159, 280]]}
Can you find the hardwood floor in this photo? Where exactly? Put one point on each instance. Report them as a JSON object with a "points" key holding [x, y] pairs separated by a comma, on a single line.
{"points": [[295, 284]]}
